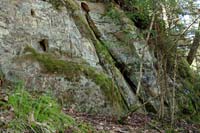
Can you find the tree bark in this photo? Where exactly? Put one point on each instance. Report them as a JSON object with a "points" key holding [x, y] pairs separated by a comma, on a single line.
{"points": [[194, 46]]}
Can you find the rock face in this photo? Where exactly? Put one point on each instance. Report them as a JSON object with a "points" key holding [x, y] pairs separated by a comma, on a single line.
{"points": [[128, 49], [47, 48]]}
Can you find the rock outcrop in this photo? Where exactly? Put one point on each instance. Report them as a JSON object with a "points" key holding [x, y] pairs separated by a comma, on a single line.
{"points": [[47, 48], [90, 57]]}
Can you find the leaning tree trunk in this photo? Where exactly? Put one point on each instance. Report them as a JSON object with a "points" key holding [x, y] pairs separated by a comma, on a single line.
{"points": [[194, 46]]}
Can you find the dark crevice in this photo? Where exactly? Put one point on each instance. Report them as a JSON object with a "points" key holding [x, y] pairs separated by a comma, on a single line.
{"points": [[33, 13], [122, 68], [118, 65], [98, 35], [124, 101], [150, 108], [124, 72], [44, 44]]}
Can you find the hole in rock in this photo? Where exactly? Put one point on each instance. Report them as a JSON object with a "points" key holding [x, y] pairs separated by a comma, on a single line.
{"points": [[32, 13], [44, 44]]}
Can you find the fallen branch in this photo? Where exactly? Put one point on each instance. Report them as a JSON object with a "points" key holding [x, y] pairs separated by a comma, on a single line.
{"points": [[155, 127], [135, 108]]}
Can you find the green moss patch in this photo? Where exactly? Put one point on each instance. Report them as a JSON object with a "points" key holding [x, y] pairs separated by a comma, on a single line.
{"points": [[41, 114]]}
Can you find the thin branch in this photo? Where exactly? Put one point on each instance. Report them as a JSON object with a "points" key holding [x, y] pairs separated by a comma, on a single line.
{"points": [[173, 93], [187, 29], [143, 50], [150, 28], [153, 126], [135, 108]]}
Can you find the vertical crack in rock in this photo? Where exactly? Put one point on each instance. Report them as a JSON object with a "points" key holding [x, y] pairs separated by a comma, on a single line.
{"points": [[116, 64]]}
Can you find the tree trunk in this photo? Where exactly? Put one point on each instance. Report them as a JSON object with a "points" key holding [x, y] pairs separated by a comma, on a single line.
{"points": [[194, 47]]}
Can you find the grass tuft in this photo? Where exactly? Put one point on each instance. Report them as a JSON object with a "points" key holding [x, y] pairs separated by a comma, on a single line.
{"points": [[41, 114]]}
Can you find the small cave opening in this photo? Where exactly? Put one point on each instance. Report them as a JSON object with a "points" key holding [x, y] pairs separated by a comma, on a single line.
{"points": [[33, 13], [44, 44]]}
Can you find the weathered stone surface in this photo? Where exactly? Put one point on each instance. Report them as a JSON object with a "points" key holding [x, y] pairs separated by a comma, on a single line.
{"points": [[128, 49], [37, 24]]}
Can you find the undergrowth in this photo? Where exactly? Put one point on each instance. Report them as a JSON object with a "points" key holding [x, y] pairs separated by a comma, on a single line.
{"points": [[41, 114]]}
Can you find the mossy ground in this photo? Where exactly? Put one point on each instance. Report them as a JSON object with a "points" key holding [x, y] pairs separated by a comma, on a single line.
{"points": [[40, 113]]}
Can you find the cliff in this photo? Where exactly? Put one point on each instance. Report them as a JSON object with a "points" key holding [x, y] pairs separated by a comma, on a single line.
{"points": [[90, 59]]}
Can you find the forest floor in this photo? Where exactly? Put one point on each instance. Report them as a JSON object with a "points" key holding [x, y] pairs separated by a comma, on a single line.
{"points": [[136, 123]]}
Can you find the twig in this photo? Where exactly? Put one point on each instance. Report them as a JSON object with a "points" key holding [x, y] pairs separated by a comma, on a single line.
{"points": [[150, 28], [143, 50], [141, 73], [179, 36], [173, 92], [159, 130], [136, 108], [187, 29]]}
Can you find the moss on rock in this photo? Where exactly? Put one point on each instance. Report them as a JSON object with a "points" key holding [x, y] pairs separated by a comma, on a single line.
{"points": [[73, 70], [107, 85]]}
